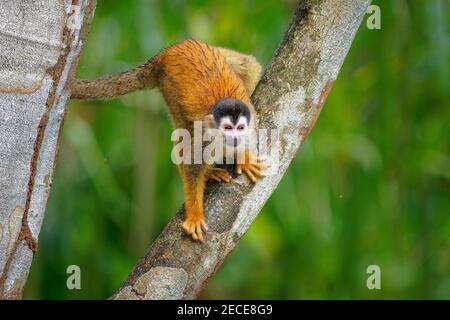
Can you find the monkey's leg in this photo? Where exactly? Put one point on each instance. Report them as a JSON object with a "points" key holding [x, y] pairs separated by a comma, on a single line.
{"points": [[251, 165], [246, 66], [194, 184], [218, 174]]}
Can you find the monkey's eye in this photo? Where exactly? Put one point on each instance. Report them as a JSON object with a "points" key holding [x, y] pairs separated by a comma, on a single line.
{"points": [[240, 127], [227, 127]]}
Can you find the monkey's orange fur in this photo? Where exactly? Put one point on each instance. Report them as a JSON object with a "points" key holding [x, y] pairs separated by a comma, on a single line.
{"points": [[192, 76], [196, 75]]}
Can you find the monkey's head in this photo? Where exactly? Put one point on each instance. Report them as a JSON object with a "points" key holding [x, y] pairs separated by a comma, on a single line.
{"points": [[233, 119]]}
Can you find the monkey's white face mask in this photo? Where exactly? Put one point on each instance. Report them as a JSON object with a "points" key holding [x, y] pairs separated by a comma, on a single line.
{"points": [[232, 138], [234, 133]]}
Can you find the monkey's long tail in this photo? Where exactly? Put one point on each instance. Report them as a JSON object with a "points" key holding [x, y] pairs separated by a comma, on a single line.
{"points": [[142, 77]]}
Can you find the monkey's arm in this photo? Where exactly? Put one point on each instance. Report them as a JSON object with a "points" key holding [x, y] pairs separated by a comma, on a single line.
{"points": [[194, 179], [246, 66]]}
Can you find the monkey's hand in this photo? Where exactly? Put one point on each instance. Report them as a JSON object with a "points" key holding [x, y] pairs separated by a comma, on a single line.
{"points": [[218, 174], [195, 226], [251, 166]]}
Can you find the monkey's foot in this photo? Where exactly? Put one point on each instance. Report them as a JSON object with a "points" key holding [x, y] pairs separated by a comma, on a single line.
{"points": [[218, 174], [194, 227], [252, 167]]}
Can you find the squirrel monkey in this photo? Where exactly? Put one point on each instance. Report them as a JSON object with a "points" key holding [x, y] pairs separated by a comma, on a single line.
{"points": [[199, 82]]}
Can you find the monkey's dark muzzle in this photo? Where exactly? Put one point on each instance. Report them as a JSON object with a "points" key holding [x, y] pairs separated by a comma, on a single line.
{"points": [[233, 141]]}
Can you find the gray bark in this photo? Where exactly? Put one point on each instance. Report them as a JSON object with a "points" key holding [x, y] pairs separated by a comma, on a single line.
{"points": [[40, 44], [289, 97]]}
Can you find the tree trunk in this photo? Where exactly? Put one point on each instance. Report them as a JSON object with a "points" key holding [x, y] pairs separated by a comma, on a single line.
{"points": [[40, 44], [289, 97]]}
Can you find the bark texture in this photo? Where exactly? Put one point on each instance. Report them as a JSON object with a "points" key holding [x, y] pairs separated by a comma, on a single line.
{"points": [[289, 98], [40, 43]]}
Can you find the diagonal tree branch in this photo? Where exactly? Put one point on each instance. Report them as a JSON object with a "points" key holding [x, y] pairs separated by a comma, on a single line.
{"points": [[40, 44], [289, 97]]}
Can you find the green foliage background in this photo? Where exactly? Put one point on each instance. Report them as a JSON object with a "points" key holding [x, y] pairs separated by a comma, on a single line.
{"points": [[369, 186]]}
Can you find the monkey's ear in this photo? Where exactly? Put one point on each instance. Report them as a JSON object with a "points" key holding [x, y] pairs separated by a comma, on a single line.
{"points": [[208, 122]]}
